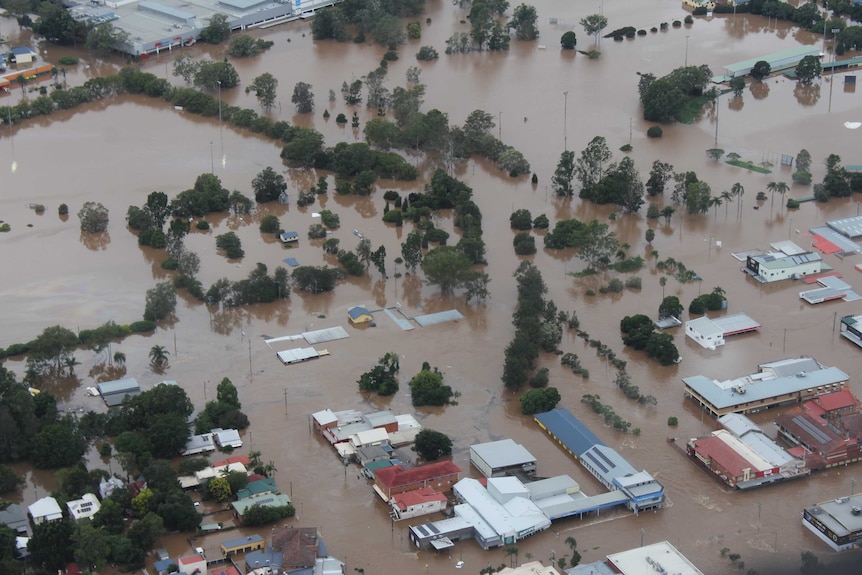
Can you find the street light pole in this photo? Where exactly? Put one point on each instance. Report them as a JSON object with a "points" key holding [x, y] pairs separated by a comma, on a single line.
{"points": [[212, 162], [500, 126], [832, 73], [220, 131], [686, 50], [565, 121]]}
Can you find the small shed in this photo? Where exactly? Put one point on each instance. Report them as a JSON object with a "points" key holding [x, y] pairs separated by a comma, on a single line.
{"points": [[289, 237], [227, 437], [358, 314], [116, 392], [22, 55]]}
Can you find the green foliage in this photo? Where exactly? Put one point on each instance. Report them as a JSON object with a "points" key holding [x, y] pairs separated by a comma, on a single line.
{"points": [[258, 287], [427, 53], [161, 301], [541, 222], [792, 204], [268, 185], [568, 40], [801, 177], [350, 262], [524, 19], [245, 46], [655, 132], [51, 545], [265, 88], [808, 69], [431, 445], [217, 31], [94, 218], [269, 224], [219, 489], [672, 421], [58, 445], [142, 326], [414, 30], [257, 514], [316, 231], [447, 267], [330, 219], [670, 307], [315, 279], [9, 480], [521, 220], [231, 244], [68, 61], [381, 378], [539, 400], [524, 244], [427, 388]]}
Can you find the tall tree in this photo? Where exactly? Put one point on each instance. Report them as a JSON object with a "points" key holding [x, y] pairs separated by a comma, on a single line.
{"points": [[659, 176], [51, 545], [268, 185], [592, 165], [564, 174], [265, 88], [446, 267], [593, 24], [303, 98], [524, 21], [807, 69]]}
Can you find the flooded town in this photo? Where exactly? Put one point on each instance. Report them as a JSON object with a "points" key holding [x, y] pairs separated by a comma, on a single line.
{"points": [[769, 364]]}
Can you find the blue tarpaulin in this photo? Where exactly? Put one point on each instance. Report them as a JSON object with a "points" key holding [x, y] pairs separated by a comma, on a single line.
{"points": [[292, 262]]}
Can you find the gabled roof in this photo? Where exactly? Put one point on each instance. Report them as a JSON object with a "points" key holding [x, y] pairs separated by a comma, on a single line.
{"points": [[15, 518], [417, 497], [812, 431], [21, 50], [573, 434], [837, 400], [46, 507], [397, 476], [298, 545], [357, 311]]}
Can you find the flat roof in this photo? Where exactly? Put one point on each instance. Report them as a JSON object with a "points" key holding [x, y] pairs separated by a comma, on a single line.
{"points": [[846, 245], [607, 463], [799, 51], [788, 247], [568, 430], [503, 453], [124, 386], [774, 261], [704, 326], [658, 557], [380, 418], [764, 385], [297, 355], [551, 486], [850, 227], [513, 517], [837, 514]]}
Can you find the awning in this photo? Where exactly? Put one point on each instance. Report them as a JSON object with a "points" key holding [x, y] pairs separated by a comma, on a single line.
{"points": [[442, 543]]}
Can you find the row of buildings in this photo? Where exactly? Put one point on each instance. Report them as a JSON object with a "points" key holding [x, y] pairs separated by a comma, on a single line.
{"points": [[349, 430], [217, 438]]}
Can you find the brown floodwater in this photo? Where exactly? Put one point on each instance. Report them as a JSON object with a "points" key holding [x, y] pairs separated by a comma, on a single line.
{"points": [[117, 152]]}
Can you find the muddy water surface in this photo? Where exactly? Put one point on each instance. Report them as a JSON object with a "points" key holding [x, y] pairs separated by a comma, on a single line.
{"points": [[118, 152]]}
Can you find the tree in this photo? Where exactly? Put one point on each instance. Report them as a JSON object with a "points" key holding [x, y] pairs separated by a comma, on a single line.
{"points": [[524, 22], [592, 165], [52, 348], [446, 267], [213, 76], [231, 244], [427, 388], [670, 307], [521, 220], [179, 513], [168, 433], [563, 175], [649, 235], [737, 191], [9, 480], [315, 279], [265, 89], [159, 356], [303, 97], [56, 23], [539, 400], [106, 38], [593, 24], [599, 245], [268, 185], [381, 377], [576, 557], [51, 545], [659, 176], [161, 301], [94, 218], [110, 517], [661, 347], [330, 23], [807, 69], [245, 46], [737, 85], [715, 153], [58, 445], [226, 393], [761, 70], [219, 489], [431, 445], [803, 160], [146, 531], [569, 40], [217, 31]]}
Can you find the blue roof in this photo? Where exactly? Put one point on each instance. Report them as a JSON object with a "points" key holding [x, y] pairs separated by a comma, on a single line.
{"points": [[357, 311], [242, 541], [19, 50], [568, 430]]}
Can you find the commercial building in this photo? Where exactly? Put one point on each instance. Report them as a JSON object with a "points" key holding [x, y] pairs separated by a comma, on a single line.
{"points": [[242, 545], [849, 227], [710, 333], [776, 383], [391, 481], [349, 430], [116, 392], [851, 328], [416, 503], [777, 61], [638, 490], [656, 558], [530, 568], [837, 522], [504, 457], [773, 267], [192, 564]]}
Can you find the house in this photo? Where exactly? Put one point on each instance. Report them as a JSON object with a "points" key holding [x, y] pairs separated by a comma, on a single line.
{"points": [[299, 547], [116, 392], [45, 509], [288, 237], [391, 481], [369, 437], [241, 545], [359, 315], [192, 565], [252, 489], [202, 443], [416, 503], [371, 453], [108, 486], [15, 518], [499, 458], [328, 419], [22, 55], [85, 507], [225, 570], [264, 500], [773, 267], [226, 438]]}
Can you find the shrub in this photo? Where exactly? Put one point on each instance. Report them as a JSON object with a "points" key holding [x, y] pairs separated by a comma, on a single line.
{"points": [[427, 53], [231, 244], [270, 224], [63, 210], [17, 349], [394, 217], [761, 197], [316, 232], [654, 132], [524, 243], [699, 11], [672, 421], [390, 56], [615, 285], [677, 23], [633, 283], [663, 25], [141, 326], [802, 177], [340, 119], [170, 264], [202, 225], [414, 30], [521, 220], [792, 204], [541, 222], [626, 148], [68, 61], [641, 32], [689, 19], [330, 220]]}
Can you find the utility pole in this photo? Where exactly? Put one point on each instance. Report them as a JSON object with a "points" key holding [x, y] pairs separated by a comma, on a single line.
{"points": [[686, 50], [565, 121]]}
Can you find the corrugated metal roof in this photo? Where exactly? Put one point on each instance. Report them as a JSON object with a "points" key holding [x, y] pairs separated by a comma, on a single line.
{"points": [[325, 335], [439, 317], [127, 385], [800, 52], [608, 463], [503, 453], [576, 436]]}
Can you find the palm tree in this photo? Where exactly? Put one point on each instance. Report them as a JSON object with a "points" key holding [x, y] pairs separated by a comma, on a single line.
{"points": [[576, 557], [714, 201], [69, 363], [725, 195], [782, 188], [120, 358], [269, 469], [159, 356], [512, 554], [662, 281], [772, 187], [738, 191]]}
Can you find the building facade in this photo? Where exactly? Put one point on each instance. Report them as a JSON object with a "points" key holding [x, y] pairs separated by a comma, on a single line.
{"points": [[440, 476]]}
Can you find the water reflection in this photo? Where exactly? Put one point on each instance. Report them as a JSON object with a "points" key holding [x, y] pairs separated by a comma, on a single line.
{"points": [[759, 90], [807, 94], [96, 242]]}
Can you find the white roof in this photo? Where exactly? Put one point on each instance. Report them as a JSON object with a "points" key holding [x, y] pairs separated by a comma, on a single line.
{"points": [[503, 453], [407, 421], [227, 437], [324, 417], [85, 507], [515, 516], [46, 508], [704, 326], [370, 436], [656, 558]]}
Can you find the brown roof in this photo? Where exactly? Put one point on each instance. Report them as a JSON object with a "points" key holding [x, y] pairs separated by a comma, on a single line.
{"points": [[298, 545], [837, 400], [722, 454], [397, 476], [810, 430]]}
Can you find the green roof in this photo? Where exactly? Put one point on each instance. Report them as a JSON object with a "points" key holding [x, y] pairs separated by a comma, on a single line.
{"points": [[257, 487], [271, 500], [799, 51], [379, 464]]}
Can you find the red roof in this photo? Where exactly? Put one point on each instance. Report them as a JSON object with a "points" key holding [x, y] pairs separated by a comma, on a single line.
{"points": [[396, 476], [73, 569], [190, 559], [235, 459], [797, 452], [810, 430], [837, 400], [814, 408], [722, 454], [418, 497], [255, 477], [230, 570]]}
